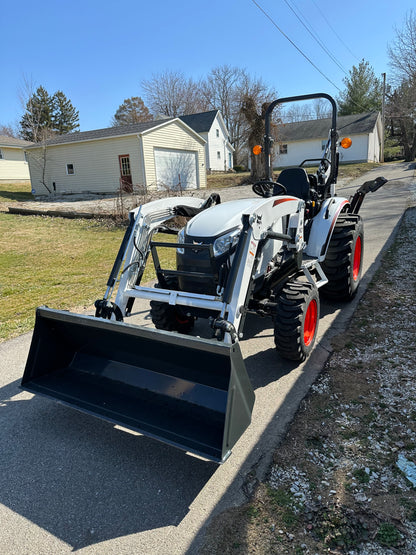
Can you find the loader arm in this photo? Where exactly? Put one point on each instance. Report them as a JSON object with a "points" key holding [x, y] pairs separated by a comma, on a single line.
{"points": [[257, 229], [132, 260]]}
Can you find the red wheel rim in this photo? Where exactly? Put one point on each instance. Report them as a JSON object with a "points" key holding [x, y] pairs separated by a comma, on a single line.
{"points": [[309, 327], [357, 260]]}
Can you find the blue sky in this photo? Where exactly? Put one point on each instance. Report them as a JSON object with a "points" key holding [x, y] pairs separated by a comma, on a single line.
{"points": [[98, 52]]}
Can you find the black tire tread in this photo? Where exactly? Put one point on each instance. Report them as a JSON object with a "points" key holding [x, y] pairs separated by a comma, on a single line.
{"points": [[170, 318], [338, 260], [288, 334]]}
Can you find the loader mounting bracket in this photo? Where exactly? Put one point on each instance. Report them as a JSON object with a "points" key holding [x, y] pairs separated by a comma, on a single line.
{"points": [[221, 326], [105, 309]]}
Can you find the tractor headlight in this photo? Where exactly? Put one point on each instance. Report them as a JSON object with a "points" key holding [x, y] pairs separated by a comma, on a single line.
{"points": [[181, 239], [226, 241]]}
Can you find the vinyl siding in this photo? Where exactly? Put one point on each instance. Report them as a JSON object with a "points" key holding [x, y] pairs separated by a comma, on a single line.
{"points": [[297, 151], [358, 151], [13, 166], [218, 144], [96, 166], [364, 148], [374, 147], [175, 137]]}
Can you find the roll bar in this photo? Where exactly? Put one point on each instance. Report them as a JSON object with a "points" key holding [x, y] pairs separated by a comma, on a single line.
{"points": [[268, 140]]}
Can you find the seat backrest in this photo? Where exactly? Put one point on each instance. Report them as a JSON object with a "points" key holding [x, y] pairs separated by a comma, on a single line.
{"points": [[296, 182]]}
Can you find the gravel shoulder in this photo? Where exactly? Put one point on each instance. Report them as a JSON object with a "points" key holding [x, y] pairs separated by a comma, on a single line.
{"points": [[343, 479]]}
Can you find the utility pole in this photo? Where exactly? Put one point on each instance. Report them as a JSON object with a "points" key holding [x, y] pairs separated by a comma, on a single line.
{"points": [[383, 105]]}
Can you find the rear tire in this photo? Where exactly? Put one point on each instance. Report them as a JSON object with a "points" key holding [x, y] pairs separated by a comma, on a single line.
{"points": [[296, 320], [170, 318], [343, 262]]}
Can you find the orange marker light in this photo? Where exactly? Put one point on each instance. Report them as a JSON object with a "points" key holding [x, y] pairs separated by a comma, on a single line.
{"points": [[346, 142], [257, 150]]}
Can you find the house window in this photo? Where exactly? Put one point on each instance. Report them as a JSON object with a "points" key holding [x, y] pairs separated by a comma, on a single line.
{"points": [[70, 169], [25, 155], [218, 155], [282, 149], [218, 132], [1, 155]]}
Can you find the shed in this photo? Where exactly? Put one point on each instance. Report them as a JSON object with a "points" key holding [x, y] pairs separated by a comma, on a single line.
{"points": [[218, 149], [13, 164], [301, 140], [153, 155]]}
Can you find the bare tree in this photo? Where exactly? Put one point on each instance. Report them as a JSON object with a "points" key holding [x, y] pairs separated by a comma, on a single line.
{"points": [[226, 89], [171, 94], [316, 109], [401, 113], [34, 123], [401, 105], [321, 109], [402, 52], [8, 131], [297, 112]]}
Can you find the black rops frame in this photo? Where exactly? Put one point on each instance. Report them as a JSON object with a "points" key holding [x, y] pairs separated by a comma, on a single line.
{"points": [[268, 140]]}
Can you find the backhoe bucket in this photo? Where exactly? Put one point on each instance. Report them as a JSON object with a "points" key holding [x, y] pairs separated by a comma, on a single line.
{"points": [[189, 392]]}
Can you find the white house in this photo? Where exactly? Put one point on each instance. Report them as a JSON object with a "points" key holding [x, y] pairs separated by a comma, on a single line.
{"points": [[153, 155], [302, 140], [13, 164], [218, 149]]}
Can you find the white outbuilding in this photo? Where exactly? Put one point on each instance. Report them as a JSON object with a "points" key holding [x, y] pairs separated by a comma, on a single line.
{"points": [[302, 140], [152, 155], [13, 165], [218, 149]]}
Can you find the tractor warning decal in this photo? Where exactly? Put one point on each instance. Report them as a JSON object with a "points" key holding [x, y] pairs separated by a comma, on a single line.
{"points": [[279, 201]]}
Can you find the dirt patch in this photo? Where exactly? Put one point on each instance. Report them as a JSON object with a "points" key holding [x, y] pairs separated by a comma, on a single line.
{"points": [[343, 480]]}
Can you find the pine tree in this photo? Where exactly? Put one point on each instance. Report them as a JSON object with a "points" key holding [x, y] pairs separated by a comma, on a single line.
{"points": [[36, 123], [363, 91], [47, 115], [65, 117]]}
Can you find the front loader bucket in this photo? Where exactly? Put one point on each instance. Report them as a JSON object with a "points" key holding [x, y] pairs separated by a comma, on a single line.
{"points": [[189, 392]]}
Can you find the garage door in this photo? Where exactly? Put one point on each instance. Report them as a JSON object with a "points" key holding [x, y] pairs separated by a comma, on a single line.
{"points": [[176, 169]]}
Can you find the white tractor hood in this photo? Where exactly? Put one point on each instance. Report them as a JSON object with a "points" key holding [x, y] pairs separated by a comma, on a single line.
{"points": [[219, 219]]}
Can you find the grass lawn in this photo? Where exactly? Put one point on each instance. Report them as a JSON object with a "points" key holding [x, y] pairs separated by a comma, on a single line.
{"points": [[217, 180], [56, 262], [15, 192]]}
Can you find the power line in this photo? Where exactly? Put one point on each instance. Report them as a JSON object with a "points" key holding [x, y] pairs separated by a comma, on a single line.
{"points": [[313, 35], [333, 30], [301, 51], [293, 44]]}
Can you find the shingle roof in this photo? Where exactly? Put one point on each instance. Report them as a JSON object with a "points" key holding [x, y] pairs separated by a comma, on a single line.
{"points": [[12, 142], [316, 129], [132, 129], [202, 122]]}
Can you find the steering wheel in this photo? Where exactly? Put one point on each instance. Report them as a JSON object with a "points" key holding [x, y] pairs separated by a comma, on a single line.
{"points": [[266, 187]]}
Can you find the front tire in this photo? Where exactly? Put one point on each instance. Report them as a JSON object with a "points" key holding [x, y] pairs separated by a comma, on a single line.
{"points": [[296, 320], [170, 317], [343, 262]]}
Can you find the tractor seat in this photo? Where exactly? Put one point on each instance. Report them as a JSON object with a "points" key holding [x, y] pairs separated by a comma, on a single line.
{"points": [[296, 182]]}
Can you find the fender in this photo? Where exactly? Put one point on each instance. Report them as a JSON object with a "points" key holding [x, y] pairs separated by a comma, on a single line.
{"points": [[323, 225]]}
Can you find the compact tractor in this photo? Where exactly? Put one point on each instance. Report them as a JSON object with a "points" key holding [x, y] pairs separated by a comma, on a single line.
{"points": [[272, 256]]}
